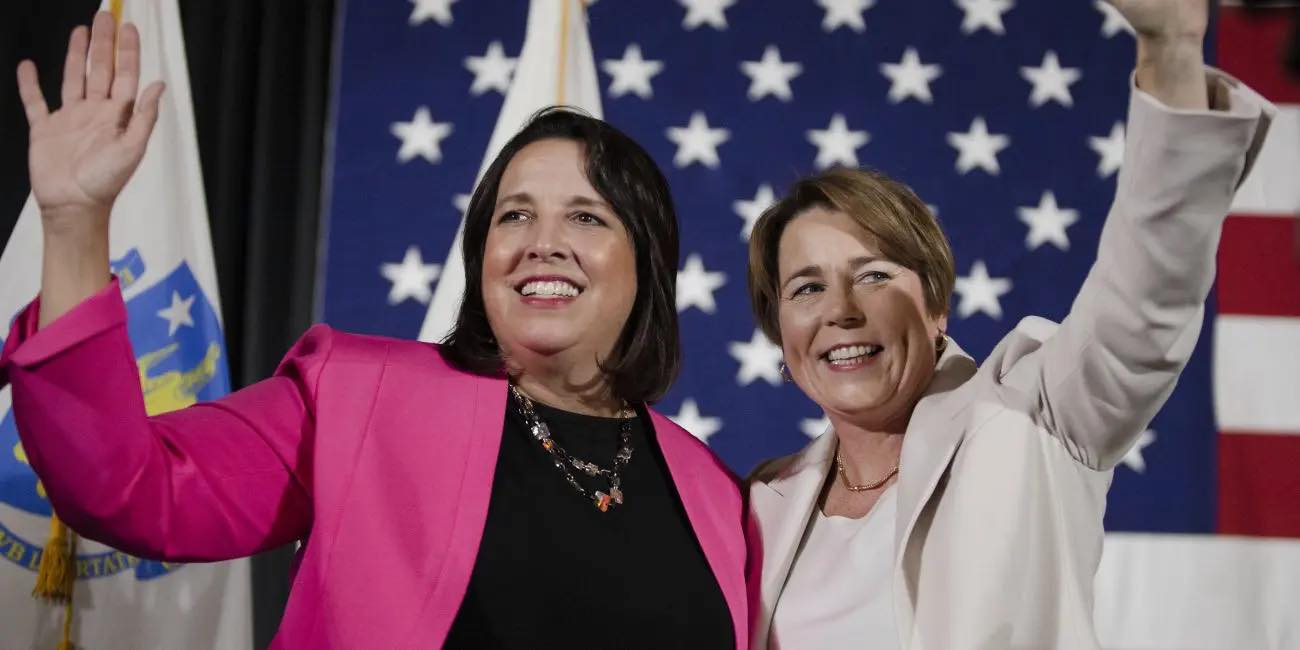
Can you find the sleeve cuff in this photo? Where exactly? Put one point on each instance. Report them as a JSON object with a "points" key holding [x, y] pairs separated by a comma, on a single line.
{"points": [[1235, 124], [28, 346], [1227, 95]]}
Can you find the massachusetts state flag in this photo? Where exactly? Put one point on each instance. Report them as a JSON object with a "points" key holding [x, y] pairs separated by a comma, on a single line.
{"points": [[162, 256], [1006, 116]]}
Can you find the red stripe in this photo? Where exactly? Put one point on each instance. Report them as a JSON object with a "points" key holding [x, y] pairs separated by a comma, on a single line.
{"points": [[1251, 44], [1259, 266], [1259, 485]]}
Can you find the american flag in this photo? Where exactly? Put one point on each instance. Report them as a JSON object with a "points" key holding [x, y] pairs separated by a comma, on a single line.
{"points": [[1006, 117]]}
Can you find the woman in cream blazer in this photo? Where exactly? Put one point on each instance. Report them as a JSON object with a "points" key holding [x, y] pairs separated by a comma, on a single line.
{"points": [[996, 474]]}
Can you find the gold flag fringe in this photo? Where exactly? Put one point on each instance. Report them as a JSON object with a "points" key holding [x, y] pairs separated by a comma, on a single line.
{"points": [[57, 576], [57, 573]]}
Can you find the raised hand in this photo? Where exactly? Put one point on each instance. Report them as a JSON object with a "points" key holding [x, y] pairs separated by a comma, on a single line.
{"points": [[1170, 38], [82, 155]]}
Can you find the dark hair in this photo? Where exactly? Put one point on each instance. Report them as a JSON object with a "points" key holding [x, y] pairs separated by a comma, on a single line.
{"points": [[646, 358]]}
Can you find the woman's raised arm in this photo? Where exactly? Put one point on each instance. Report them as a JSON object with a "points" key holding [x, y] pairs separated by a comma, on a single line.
{"points": [[82, 155], [1114, 360], [213, 481]]}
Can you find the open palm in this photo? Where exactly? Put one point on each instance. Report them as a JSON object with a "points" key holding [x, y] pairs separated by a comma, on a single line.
{"points": [[83, 154]]}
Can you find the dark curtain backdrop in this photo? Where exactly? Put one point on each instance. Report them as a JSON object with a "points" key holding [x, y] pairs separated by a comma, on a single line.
{"points": [[259, 74]]}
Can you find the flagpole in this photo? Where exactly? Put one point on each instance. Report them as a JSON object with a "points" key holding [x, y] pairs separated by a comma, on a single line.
{"points": [[563, 52]]}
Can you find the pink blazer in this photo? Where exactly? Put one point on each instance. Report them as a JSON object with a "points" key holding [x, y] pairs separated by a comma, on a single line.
{"points": [[374, 452]]}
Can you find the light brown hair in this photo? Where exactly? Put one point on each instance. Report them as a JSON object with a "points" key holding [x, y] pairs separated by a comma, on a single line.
{"points": [[904, 228]]}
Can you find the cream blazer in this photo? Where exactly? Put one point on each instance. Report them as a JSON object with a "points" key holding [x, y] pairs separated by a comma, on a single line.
{"points": [[1005, 466]]}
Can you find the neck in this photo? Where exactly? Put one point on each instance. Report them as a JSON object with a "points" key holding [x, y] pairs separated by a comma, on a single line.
{"points": [[868, 452], [580, 388]]}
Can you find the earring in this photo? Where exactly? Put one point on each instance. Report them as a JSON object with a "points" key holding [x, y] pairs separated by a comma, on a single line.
{"points": [[940, 343], [785, 373]]}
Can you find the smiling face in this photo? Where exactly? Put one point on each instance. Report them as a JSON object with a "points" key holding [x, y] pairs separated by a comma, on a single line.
{"points": [[559, 269], [854, 327]]}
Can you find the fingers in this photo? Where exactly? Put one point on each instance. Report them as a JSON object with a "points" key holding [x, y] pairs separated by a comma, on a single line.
{"points": [[74, 67], [100, 74], [29, 90], [145, 116], [126, 79]]}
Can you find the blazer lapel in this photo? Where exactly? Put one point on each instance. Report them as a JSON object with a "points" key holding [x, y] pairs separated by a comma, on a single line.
{"points": [[782, 508], [718, 533], [474, 448], [928, 447]]}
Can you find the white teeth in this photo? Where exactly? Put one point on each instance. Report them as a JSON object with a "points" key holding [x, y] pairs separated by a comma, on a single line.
{"points": [[851, 352], [551, 288]]}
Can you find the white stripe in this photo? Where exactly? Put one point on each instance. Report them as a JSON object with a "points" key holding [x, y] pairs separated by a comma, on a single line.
{"points": [[1257, 374], [534, 87], [1273, 187], [1273, 4], [1198, 591]]}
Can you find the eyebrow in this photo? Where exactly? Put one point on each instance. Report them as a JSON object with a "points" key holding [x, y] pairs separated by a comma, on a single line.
{"points": [[574, 201], [810, 271], [813, 270], [582, 201]]}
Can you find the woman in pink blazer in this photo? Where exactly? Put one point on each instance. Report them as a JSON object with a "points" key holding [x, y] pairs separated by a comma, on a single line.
{"points": [[508, 488]]}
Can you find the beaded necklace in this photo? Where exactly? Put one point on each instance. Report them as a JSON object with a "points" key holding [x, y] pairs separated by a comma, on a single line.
{"points": [[563, 460]]}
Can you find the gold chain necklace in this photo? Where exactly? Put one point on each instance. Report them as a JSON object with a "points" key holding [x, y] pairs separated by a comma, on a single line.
{"points": [[844, 477]]}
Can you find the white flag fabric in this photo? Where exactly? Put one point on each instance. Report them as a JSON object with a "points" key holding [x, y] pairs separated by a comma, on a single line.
{"points": [[162, 253], [556, 66]]}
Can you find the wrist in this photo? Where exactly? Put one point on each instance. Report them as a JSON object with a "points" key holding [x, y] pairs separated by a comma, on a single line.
{"points": [[74, 266], [74, 223], [1172, 69], [76, 241], [1170, 49]]}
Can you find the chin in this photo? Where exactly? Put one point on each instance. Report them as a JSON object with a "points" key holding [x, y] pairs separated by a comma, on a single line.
{"points": [[541, 341], [853, 400], [861, 407]]}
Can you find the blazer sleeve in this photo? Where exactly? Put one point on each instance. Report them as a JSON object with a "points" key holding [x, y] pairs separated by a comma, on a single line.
{"points": [[1134, 324], [213, 481]]}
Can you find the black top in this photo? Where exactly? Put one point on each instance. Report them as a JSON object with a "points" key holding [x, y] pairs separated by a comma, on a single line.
{"points": [[553, 571]]}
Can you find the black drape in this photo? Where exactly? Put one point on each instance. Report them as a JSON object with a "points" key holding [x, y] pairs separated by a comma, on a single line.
{"points": [[259, 75]]}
